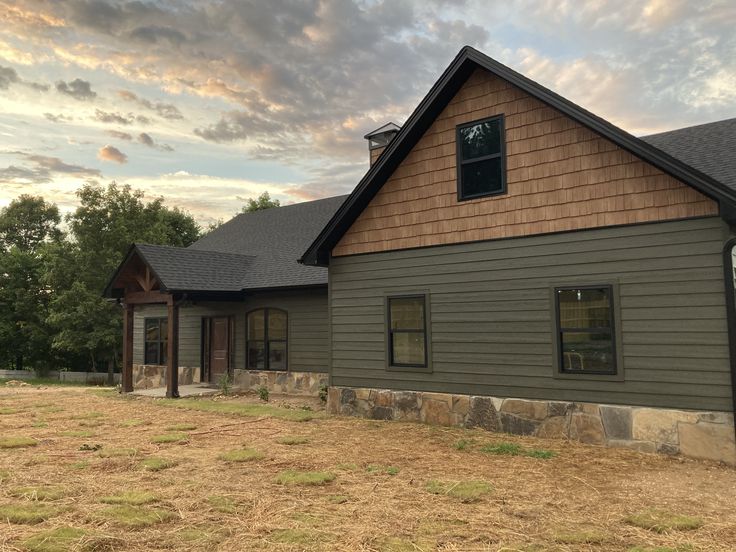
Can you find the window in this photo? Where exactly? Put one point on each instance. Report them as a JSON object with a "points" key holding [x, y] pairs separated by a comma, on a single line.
{"points": [[407, 333], [267, 339], [586, 329], [481, 167], [156, 340]]}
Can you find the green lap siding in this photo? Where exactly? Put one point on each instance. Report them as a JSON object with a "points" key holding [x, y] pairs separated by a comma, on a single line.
{"points": [[491, 325], [307, 337]]}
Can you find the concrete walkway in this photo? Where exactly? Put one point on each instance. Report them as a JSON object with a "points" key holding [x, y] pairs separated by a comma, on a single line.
{"points": [[194, 390]]}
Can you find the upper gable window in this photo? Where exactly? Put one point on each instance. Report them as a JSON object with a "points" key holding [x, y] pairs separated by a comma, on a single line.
{"points": [[481, 169]]}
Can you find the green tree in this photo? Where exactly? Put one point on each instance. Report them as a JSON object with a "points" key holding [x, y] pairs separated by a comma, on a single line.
{"points": [[261, 203], [102, 228], [27, 226]]}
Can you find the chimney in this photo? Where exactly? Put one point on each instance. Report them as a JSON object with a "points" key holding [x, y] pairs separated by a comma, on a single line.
{"points": [[380, 138]]}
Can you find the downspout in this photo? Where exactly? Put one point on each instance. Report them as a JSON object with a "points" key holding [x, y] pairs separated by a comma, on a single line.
{"points": [[728, 280]]}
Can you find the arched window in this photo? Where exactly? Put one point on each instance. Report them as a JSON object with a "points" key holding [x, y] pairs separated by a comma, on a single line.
{"points": [[267, 340]]}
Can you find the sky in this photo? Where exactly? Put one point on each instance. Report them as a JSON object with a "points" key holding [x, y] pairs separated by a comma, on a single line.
{"points": [[210, 103]]}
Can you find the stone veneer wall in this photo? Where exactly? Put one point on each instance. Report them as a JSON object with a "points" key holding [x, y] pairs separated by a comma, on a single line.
{"points": [[697, 434], [287, 383], [147, 376]]}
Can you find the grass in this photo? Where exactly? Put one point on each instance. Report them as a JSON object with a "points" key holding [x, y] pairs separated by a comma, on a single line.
{"points": [[170, 438], [223, 504], [580, 537], [292, 440], [28, 513], [134, 423], [308, 478], [295, 536], [39, 493], [134, 516], [200, 535], [679, 548], [131, 498], [465, 491], [17, 442], [60, 539], [463, 444], [78, 433], [4, 474], [158, 464], [40, 381], [39, 424], [513, 449], [659, 521], [241, 455], [117, 452], [181, 427], [7, 410], [233, 407], [388, 470]]}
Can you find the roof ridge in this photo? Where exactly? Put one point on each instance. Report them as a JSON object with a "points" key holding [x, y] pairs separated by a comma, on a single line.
{"points": [[690, 127]]}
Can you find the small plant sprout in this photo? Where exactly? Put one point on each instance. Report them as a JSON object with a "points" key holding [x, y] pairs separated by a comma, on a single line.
{"points": [[225, 384]]}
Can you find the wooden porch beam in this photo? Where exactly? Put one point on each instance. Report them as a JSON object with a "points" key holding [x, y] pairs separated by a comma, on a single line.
{"points": [[127, 375], [146, 297], [172, 364]]}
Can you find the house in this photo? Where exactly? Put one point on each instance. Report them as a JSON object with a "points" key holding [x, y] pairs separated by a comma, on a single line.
{"points": [[509, 261]]}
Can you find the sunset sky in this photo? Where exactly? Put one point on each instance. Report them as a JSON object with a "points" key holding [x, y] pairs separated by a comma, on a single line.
{"points": [[209, 103]]}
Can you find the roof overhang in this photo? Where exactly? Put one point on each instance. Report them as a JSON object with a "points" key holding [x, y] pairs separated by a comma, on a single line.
{"points": [[467, 61]]}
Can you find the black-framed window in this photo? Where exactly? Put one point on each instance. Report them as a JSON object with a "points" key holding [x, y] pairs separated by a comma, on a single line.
{"points": [[481, 163], [407, 331], [586, 329], [267, 339], [156, 340]]}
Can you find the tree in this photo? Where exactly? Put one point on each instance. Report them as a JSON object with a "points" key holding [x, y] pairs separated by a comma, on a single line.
{"points": [[27, 226], [262, 203], [102, 228]]}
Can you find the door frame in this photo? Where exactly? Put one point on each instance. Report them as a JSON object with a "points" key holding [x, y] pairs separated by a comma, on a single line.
{"points": [[205, 346]]}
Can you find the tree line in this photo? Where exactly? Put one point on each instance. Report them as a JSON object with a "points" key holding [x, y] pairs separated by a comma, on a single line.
{"points": [[52, 274]]}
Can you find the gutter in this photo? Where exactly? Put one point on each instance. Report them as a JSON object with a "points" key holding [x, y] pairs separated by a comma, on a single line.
{"points": [[728, 280]]}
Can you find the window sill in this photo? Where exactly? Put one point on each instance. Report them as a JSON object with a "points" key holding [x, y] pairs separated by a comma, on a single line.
{"points": [[400, 368], [480, 196], [588, 376]]}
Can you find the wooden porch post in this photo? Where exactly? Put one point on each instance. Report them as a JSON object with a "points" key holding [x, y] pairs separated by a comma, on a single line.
{"points": [[127, 375], [172, 366]]}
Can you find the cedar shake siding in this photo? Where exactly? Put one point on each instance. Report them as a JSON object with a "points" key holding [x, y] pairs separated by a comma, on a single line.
{"points": [[560, 176], [490, 315], [307, 319]]}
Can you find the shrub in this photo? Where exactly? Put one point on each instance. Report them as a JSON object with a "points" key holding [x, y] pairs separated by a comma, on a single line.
{"points": [[323, 393], [263, 393]]}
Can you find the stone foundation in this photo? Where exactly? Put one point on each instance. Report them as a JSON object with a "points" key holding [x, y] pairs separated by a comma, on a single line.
{"points": [[286, 383], [697, 434], [147, 376]]}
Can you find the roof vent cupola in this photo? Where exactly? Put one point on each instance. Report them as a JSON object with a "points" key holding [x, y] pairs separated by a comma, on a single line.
{"points": [[380, 138]]}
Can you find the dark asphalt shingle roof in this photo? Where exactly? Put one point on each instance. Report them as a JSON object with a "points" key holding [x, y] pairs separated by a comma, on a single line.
{"points": [[189, 269], [709, 148], [252, 251]]}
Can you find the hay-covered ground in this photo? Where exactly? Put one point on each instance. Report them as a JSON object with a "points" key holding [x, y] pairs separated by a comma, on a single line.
{"points": [[83, 469]]}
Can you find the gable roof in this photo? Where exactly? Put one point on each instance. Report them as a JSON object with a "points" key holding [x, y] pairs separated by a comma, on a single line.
{"points": [[468, 60], [252, 251], [710, 148]]}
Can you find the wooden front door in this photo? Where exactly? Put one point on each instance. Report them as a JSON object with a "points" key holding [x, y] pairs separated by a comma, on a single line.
{"points": [[219, 348]]}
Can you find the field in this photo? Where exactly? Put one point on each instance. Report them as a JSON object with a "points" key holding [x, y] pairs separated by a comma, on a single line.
{"points": [[84, 469]]}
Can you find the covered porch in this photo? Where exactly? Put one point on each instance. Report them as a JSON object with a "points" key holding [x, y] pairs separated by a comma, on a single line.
{"points": [[192, 317], [167, 279]]}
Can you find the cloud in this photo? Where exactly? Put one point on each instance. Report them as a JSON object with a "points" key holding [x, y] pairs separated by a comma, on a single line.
{"points": [[164, 110], [8, 76], [60, 118], [147, 140], [112, 117], [78, 89], [113, 154], [119, 135], [43, 170], [153, 34]]}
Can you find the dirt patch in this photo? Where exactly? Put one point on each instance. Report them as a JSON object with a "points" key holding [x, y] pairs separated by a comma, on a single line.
{"points": [[385, 485]]}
